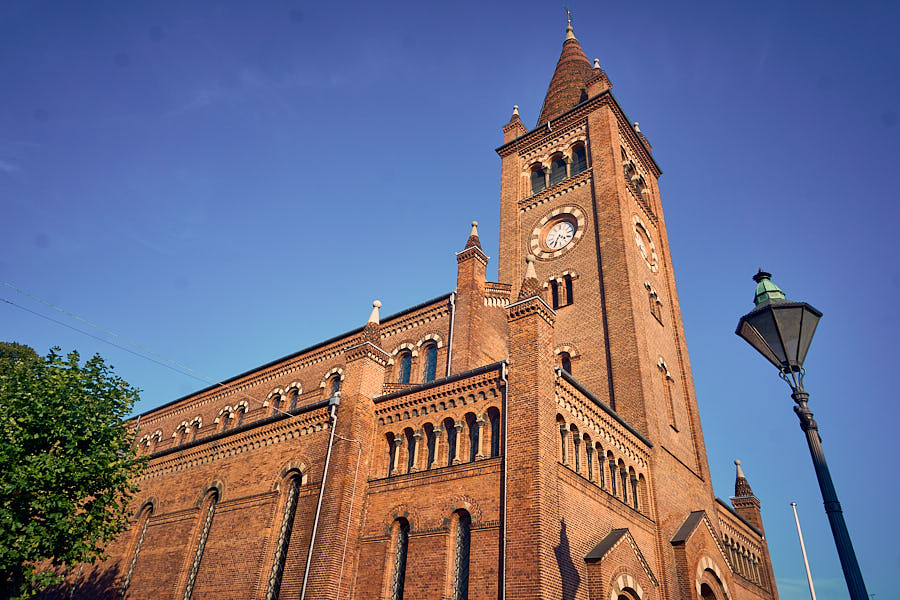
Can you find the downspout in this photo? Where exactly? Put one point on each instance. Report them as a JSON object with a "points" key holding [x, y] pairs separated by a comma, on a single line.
{"points": [[333, 403], [450, 337], [505, 378]]}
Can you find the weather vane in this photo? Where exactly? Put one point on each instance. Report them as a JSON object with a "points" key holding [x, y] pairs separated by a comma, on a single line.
{"points": [[568, 15]]}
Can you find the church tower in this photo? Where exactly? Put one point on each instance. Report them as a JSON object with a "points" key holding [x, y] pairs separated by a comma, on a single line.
{"points": [[580, 194]]}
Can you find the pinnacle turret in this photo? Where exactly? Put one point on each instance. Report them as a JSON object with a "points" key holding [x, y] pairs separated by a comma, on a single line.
{"points": [[530, 284], [473, 241], [741, 485]]}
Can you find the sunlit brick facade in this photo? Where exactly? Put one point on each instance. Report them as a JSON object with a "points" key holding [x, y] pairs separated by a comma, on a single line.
{"points": [[533, 438]]}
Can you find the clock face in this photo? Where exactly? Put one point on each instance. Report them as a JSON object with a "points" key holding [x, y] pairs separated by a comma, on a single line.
{"points": [[645, 245], [560, 235]]}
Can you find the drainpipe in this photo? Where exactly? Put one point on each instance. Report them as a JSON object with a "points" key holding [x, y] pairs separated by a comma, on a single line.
{"points": [[504, 376], [333, 403], [450, 337]]}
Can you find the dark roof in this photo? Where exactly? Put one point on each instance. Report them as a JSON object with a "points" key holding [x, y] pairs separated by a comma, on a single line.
{"points": [[567, 87], [687, 528], [605, 544]]}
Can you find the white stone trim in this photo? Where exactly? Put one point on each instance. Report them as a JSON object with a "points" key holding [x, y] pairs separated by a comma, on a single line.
{"points": [[708, 564], [535, 244], [431, 337], [626, 582], [328, 375]]}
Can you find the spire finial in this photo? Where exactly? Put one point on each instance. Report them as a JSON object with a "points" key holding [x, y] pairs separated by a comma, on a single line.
{"points": [[740, 471], [766, 291], [515, 110], [473, 240], [570, 32], [530, 285], [637, 127], [741, 485], [374, 318]]}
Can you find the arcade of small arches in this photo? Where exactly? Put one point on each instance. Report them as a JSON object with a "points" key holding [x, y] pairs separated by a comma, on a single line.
{"points": [[745, 562], [416, 364], [633, 178], [557, 167], [443, 443], [601, 467]]}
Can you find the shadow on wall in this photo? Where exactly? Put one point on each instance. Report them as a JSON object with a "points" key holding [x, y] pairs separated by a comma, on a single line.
{"points": [[97, 584], [567, 571]]}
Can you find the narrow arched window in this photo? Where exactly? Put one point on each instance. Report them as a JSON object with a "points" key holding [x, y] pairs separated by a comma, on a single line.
{"points": [[576, 448], [335, 384], [557, 170], [632, 477], [565, 362], [292, 491], [195, 429], [239, 415], [404, 366], [579, 160], [461, 556], [410, 449], [538, 182], [293, 397], [554, 294], [430, 370], [141, 523], [206, 519], [450, 429], [401, 547], [431, 443], [225, 418], [494, 418], [389, 438], [473, 427], [276, 404], [600, 458], [570, 295], [612, 473], [589, 457]]}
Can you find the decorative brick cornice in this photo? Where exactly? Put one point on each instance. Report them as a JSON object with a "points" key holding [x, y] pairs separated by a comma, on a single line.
{"points": [[367, 350], [531, 306], [472, 252]]}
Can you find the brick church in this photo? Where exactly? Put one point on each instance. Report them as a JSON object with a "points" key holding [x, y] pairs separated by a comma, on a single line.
{"points": [[535, 437]]}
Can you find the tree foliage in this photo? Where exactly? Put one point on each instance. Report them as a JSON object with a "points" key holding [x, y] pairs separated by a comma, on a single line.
{"points": [[67, 464]]}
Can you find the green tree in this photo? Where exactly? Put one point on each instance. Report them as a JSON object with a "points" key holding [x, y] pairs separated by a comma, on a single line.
{"points": [[67, 464]]}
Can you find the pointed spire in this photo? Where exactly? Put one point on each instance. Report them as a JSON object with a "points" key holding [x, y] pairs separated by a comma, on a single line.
{"points": [[372, 330], [530, 285], [473, 241], [766, 291], [741, 485], [567, 87]]}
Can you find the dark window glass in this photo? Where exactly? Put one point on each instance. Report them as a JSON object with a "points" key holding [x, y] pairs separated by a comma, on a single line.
{"points": [[276, 404], [494, 416], [431, 442], [461, 558], [570, 298], [565, 361], [239, 419], [404, 367], [430, 363], [557, 171], [390, 449], [410, 450], [450, 429], [537, 181], [472, 426], [579, 160], [399, 576], [554, 293], [335, 384], [284, 538]]}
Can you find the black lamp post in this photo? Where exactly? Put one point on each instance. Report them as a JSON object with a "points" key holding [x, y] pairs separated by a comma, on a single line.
{"points": [[782, 331]]}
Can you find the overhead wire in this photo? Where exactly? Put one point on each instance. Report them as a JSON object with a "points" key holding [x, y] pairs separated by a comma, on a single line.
{"points": [[173, 365]]}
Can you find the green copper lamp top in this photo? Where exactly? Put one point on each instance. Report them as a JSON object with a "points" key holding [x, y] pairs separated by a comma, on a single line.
{"points": [[766, 291]]}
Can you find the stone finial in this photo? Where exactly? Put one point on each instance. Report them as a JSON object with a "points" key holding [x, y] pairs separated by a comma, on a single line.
{"points": [[596, 63], [473, 240], [637, 127], [741, 485], [374, 318], [570, 33], [515, 110], [530, 285]]}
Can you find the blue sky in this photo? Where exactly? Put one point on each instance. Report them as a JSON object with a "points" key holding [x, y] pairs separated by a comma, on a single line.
{"points": [[226, 183]]}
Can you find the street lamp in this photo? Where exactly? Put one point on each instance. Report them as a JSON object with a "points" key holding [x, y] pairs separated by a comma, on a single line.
{"points": [[782, 332]]}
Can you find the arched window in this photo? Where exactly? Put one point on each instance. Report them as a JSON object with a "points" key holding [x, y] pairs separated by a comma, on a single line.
{"points": [[195, 429], [430, 369], [579, 160], [557, 170], [392, 455], [293, 397], [180, 433], [494, 418], [141, 526], [225, 420], [292, 491], [538, 182], [401, 546], [565, 362], [334, 385], [600, 467], [239, 413], [576, 448], [554, 294], [611, 461], [410, 449], [461, 556], [589, 457], [563, 437], [431, 443], [570, 296], [450, 429], [404, 365], [276, 404], [473, 428], [206, 519], [632, 478], [623, 475]]}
